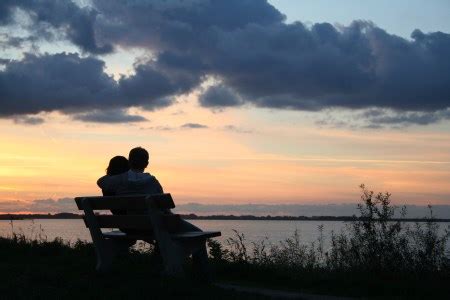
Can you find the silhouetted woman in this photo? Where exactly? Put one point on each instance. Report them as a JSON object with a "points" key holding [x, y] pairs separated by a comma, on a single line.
{"points": [[117, 165]]}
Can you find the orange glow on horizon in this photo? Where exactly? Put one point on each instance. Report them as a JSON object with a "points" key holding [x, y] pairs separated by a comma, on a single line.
{"points": [[265, 164]]}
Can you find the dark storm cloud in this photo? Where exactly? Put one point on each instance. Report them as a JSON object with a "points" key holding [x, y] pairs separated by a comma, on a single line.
{"points": [[70, 83], [273, 64], [7, 11], [178, 25], [157, 81], [109, 116], [361, 66], [219, 96], [74, 22], [54, 82], [248, 47]]}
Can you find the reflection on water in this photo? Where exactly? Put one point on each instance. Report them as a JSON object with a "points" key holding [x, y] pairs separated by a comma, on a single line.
{"points": [[274, 231]]}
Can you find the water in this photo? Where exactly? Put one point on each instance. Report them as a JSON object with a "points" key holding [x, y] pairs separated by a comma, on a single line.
{"points": [[273, 231]]}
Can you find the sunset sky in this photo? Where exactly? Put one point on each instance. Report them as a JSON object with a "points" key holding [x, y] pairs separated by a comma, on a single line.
{"points": [[237, 101]]}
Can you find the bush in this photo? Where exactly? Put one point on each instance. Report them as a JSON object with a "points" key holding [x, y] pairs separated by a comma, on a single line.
{"points": [[375, 242]]}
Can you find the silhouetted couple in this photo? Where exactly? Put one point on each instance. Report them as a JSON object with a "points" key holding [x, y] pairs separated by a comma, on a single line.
{"points": [[127, 177]]}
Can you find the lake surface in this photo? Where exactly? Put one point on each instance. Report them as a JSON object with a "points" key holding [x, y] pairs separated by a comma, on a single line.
{"points": [[254, 230]]}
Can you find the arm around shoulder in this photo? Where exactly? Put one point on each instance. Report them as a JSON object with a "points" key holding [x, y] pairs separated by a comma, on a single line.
{"points": [[101, 182], [109, 182]]}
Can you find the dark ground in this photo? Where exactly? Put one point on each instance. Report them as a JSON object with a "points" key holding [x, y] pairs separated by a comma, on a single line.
{"points": [[52, 270]]}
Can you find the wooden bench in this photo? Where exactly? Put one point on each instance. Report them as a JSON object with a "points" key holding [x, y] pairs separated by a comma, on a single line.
{"points": [[152, 220]]}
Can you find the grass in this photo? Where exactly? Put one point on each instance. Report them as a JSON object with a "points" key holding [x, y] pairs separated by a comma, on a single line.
{"points": [[374, 257], [32, 269], [394, 285]]}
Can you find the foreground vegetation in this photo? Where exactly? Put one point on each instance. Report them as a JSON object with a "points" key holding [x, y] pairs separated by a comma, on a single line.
{"points": [[33, 269], [373, 257]]}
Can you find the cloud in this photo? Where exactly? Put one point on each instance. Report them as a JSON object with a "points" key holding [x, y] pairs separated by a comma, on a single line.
{"points": [[194, 126], [69, 83], [159, 128], [75, 23], [51, 205], [247, 45], [269, 63], [39, 206], [219, 96], [170, 128], [383, 117], [8, 41], [6, 11], [55, 82], [151, 80], [237, 129], [292, 66], [184, 26], [109, 116], [359, 66], [28, 120], [376, 118]]}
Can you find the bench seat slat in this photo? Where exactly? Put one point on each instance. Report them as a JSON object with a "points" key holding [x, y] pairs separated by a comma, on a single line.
{"points": [[184, 236], [131, 202], [119, 235], [193, 235]]}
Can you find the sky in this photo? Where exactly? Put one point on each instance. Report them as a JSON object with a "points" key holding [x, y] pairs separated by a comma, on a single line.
{"points": [[238, 102]]}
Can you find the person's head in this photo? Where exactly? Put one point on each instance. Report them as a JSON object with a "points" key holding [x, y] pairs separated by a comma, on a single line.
{"points": [[117, 165], [138, 159]]}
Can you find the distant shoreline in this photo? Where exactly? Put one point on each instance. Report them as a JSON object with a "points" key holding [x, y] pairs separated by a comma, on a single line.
{"points": [[68, 216]]}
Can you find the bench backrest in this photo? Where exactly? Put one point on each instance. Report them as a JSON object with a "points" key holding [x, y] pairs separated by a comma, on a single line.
{"points": [[138, 204], [130, 202]]}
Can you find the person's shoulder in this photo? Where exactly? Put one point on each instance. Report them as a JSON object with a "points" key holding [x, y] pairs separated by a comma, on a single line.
{"points": [[158, 187], [148, 176], [151, 177]]}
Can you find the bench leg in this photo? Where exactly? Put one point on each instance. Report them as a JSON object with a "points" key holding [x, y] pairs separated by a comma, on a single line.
{"points": [[200, 263], [199, 253], [107, 252], [173, 261]]}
